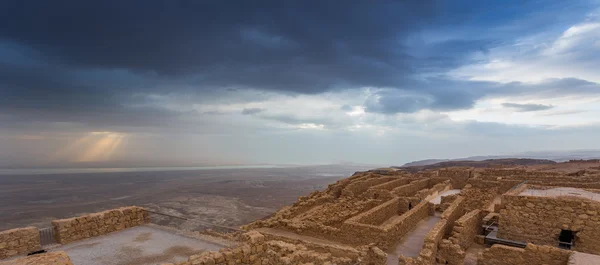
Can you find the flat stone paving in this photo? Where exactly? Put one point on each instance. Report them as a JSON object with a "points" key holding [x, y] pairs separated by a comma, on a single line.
{"points": [[139, 245], [411, 243], [563, 191]]}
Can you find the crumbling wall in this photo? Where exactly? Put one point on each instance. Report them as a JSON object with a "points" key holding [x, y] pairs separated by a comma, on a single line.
{"points": [[77, 228], [334, 214], [411, 188], [540, 220], [384, 191], [358, 187], [403, 224], [428, 253], [479, 194], [531, 255], [428, 194], [449, 198], [50, 258], [392, 184], [453, 212], [458, 176], [257, 250], [19, 241], [465, 229], [379, 214]]}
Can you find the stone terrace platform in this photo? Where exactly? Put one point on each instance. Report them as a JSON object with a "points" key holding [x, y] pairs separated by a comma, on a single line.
{"points": [[562, 191], [140, 245]]}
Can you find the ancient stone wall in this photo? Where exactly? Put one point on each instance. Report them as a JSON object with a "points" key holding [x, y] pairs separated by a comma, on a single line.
{"points": [[411, 188], [428, 253], [449, 198], [454, 211], [50, 258], [458, 176], [466, 228], [384, 191], [257, 250], [480, 194], [360, 186], [379, 214], [531, 255], [540, 220], [77, 228], [452, 251], [19, 241], [391, 184], [428, 194], [400, 226]]}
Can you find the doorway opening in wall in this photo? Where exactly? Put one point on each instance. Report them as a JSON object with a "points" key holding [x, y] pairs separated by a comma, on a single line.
{"points": [[565, 239]]}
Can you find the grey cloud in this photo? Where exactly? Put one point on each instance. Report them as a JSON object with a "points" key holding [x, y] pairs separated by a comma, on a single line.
{"points": [[564, 112], [252, 111], [527, 107], [445, 94], [73, 63], [346, 108]]}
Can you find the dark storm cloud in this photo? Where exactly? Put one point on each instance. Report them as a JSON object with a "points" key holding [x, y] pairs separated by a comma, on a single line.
{"points": [[527, 107], [74, 61], [305, 47]]}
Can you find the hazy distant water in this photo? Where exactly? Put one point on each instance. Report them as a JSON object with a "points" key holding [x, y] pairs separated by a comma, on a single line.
{"points": [[42, 171]]}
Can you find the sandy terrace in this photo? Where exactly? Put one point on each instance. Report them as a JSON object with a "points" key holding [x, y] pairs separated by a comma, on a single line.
{"points": [[139, 245]]}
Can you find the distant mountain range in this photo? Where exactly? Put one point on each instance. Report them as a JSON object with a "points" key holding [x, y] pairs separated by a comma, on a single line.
{"points": [[557, 156]]}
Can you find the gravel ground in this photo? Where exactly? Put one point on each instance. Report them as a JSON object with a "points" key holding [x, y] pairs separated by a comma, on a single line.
{"points": [[141, 245]]}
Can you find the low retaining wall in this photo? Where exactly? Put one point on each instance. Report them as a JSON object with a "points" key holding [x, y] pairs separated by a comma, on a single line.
{"points": [[19, 241], [77, 228], [50, 258], [531, 255]]}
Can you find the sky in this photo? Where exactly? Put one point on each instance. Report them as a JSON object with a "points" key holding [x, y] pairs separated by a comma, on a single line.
{"points": [[184, 83]]}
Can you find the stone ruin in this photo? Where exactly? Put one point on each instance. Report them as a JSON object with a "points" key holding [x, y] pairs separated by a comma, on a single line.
{"points": [[484, 216]]}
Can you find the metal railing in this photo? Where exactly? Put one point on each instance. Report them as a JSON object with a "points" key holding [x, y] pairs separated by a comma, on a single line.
{"points": [[47, 236]]}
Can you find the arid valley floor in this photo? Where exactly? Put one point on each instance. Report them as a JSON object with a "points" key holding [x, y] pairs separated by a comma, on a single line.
{"points": [[229, 197]]}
